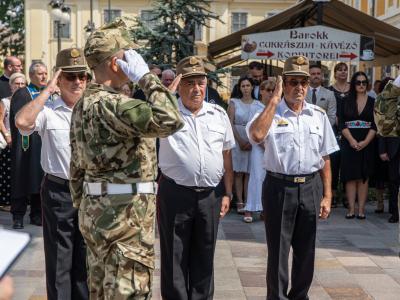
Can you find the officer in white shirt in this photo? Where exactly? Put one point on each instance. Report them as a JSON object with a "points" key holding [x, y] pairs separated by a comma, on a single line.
{"points": [[193, 162], [65, 250], [298, 139]]}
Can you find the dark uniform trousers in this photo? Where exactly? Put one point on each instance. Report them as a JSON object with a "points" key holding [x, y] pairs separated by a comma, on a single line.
{"points": [[19, 206], [291, 211], [394, 181], [188, 225], [65, 250]]}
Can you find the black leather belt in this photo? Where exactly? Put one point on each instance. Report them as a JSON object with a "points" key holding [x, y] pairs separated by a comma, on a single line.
{"points": [[197, 189], [58, 180], [293, 178]]}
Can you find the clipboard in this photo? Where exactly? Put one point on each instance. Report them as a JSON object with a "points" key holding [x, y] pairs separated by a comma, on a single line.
{"points": [[12, 245]]}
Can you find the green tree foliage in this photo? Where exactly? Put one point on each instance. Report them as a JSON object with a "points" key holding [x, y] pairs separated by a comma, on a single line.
{"points": [[171, 37], [12, 28]]}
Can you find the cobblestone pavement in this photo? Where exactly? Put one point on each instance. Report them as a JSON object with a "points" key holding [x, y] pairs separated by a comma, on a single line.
{"points": [[355, 259]]}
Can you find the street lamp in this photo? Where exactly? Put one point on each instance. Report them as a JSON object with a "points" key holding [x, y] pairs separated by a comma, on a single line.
{"points": [[61, 16]]}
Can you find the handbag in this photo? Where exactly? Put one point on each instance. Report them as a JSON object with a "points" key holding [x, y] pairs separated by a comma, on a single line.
{"points": [[3, 143]]}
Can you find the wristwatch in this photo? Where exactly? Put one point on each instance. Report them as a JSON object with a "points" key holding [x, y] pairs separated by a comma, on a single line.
{"points": [[230, 195]]}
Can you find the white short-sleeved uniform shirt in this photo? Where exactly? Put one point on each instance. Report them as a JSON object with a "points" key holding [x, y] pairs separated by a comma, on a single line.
{"points": [[193, 155], [53, 125], [296, 144]]}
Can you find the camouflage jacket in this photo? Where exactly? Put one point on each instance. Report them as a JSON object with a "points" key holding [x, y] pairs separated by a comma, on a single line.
{"points": [[387, 111], [113, 136]]}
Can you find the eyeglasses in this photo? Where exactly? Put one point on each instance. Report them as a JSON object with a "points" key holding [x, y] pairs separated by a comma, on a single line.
{"points": [[295, 83], [74, 76], [361, 82]]}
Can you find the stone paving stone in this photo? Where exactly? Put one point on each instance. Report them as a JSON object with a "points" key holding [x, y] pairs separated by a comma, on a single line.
{"points": [[364, 270], [252, 278], [356, 261], [347, 294], [318, 292], [377, 284], [352, 260]]}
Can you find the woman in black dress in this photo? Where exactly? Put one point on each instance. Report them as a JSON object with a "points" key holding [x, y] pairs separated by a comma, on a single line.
{"points": [[356, 122], [341, 90]]}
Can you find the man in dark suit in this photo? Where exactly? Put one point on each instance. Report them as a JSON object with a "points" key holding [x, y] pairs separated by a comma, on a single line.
{"points": [[256, 72], [11, 65], [389, 150]]}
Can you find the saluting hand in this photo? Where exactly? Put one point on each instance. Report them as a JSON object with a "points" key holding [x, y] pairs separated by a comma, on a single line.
{"points": [[325, 209], [224, 206], [277, 94], [52, 86], [174, 85]]}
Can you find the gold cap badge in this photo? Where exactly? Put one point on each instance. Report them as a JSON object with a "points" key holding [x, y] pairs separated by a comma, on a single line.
{"points": [[300, 60], [193, 60], [75, 53]]}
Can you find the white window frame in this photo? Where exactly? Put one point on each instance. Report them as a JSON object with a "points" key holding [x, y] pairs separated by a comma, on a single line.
{"points": [[105, 13], [239, 12]]}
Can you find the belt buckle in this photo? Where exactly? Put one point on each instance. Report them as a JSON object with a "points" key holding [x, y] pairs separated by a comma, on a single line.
{"points": [[198, 190], [299, 179]]}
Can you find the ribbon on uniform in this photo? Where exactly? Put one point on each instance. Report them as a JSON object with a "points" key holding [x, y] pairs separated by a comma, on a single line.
{"points": [[33, 91]]}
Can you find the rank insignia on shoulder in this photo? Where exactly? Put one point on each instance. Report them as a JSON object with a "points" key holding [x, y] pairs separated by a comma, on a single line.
{"points": [[282, 123], [319, 109]]}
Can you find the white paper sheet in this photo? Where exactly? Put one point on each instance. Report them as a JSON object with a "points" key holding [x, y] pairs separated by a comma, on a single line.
{"points": [[12, 244]]}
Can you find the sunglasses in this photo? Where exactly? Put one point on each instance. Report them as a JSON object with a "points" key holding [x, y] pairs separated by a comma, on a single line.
{"points": [[74, 76], [295, 83], [361, 82]]}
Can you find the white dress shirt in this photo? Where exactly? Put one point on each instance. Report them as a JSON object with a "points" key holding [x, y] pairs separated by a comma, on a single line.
{"points": [[193, 155], [53, 125], [295, 144]]}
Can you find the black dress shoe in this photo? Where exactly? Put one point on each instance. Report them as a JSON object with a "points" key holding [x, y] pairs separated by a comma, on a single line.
{"points": [[18, 224], [393, 219], [36, 220]]}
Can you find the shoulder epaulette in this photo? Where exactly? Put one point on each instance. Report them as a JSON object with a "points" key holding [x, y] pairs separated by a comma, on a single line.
{"points": [[317, 108]]}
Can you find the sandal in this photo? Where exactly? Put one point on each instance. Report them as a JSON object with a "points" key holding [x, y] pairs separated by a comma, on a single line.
{"points": [[240, 208], [248, 219], [361, 217], [350, 216]]}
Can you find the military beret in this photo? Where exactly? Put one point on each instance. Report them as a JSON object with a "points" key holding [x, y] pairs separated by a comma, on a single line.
{"points": [[191, 66], [296, 66], [71, 60], [108, 40]]}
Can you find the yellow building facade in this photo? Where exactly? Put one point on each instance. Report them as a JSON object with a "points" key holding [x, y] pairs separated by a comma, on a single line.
{"points": [[41, 34]]}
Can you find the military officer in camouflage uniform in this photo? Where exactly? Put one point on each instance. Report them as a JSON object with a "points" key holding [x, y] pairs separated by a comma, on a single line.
{"points": [[113, 164], [387, 120]]}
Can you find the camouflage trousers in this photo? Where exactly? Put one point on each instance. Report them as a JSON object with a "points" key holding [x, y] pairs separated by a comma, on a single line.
{"points": [[119, 233]]}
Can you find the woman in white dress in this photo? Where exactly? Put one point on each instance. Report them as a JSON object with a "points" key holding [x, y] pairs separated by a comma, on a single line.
{"points": [[257, 172], [241, 111]]}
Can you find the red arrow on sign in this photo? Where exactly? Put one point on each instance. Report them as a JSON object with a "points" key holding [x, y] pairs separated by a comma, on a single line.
{"points": [[348, 55], [268, 53]]}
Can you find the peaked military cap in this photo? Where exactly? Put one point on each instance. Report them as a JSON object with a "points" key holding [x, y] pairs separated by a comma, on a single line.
{"points": [[297, 66], [71, 60], [108, 40], [191, 66]]}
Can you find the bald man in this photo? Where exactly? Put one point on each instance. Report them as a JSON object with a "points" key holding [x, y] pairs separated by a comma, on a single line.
{"points": [[11, 65]]}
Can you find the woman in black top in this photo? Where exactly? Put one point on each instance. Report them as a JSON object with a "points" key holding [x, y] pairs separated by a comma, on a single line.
{"points": [[356, 122], [341, 90]]}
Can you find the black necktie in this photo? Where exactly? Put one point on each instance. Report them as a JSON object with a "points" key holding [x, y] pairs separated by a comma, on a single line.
{"points": [[314, 96]]}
